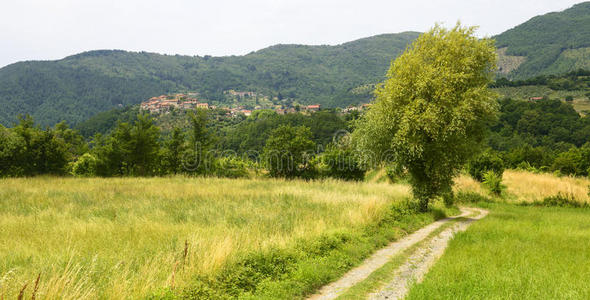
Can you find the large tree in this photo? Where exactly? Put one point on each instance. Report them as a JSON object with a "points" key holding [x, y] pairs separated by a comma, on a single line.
{"points": [[432, 111]]}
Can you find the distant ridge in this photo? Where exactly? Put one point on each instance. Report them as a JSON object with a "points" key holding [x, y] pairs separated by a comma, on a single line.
{"points": [[79, 86]]}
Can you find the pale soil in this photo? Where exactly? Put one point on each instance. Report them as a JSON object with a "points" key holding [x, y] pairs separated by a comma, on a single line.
{"points": [[384, 255]]}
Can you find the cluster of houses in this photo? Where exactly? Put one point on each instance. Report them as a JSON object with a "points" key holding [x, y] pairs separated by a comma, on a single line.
{"points": [[278, 110], [359, 108], [241, 94], [165, 103]]}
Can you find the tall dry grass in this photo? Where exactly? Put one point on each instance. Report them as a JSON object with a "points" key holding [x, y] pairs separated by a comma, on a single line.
{"points": [[124, 238], [522, 186]]}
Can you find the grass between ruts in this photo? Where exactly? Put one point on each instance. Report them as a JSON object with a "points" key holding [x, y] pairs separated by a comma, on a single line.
{"points": [[191, 237], [516, 252]]}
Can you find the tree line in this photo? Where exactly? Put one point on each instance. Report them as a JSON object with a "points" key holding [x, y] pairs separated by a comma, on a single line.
{"points": [[278, 145]]}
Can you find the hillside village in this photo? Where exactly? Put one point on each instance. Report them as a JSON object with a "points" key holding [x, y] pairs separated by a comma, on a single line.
{"points": [[166, 103]]}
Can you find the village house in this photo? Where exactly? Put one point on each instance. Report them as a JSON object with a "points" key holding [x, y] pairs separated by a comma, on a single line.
{"points": [[313, 108]]}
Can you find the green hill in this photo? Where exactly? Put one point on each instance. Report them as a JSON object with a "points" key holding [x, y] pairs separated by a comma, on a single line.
{"points": [[80, 86], [557, 42]]}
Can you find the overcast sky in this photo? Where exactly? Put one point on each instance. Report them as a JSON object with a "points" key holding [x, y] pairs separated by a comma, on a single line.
{"points": [[53, 29]]}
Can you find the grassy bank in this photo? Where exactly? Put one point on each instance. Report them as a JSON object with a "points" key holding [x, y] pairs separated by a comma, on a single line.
{"points": [[133, 237]]}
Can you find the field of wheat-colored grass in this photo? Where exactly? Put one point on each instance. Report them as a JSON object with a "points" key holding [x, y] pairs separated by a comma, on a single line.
{"points": [[123, 238], [522, 186]]}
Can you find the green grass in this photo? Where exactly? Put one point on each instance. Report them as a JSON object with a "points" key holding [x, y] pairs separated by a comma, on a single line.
{"points": [[95, 238], [515, 253]]}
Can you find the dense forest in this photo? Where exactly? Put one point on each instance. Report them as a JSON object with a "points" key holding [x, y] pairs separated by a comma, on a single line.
{"points": [[80, 86], [545, 135]]}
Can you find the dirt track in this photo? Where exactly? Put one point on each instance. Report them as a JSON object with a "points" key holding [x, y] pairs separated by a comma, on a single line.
{"points": [[412, 270]]}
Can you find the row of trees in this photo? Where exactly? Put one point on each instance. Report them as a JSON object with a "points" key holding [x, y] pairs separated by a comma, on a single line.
{"points": [[28, 150], [574, 80], [138, 148]]}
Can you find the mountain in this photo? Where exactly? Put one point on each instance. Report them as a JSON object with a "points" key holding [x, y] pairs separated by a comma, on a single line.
{"points": [[80, 86], [554, 43]]}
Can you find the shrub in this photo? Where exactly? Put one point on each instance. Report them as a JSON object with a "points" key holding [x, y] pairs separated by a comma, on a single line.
{"points": [[391, 173], [524, 165], [470, 197], [569, 163], [449, 198], [493, 183], [342, 163], [569, 98], [231, 167], [562, 200], [85, 166], [486, 162]]}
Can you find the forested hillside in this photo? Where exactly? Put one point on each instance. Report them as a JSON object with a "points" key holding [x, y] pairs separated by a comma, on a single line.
{"points": [[557, 42], [78, 87]]}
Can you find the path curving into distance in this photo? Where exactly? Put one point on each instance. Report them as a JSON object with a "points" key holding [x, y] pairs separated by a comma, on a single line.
{"points": [[413, 269]]}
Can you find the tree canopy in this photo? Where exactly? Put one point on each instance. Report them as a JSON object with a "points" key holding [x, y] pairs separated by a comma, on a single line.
{"points": [[433, 109]]}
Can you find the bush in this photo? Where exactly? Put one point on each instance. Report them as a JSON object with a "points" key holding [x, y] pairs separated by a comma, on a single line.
{"points": [[448, 199], [391, 173], [493, 183], [562, 200], [569, 163], [470, 197], [85, 166], [342, 163], [486, 162], [231, 167], [569, 98]]}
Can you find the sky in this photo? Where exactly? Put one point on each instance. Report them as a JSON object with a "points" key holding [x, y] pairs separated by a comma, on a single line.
{"points": [[54, 29]]}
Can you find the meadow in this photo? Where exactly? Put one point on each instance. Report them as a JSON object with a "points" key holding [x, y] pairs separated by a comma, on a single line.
{"points": [[89, 238], [519, 251], [139, 237], [516, 252], [527, 187]]}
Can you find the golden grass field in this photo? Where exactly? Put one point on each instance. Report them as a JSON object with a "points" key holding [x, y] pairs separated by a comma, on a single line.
{"points": [[124, 237], [94, 238], [522, 186]]}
